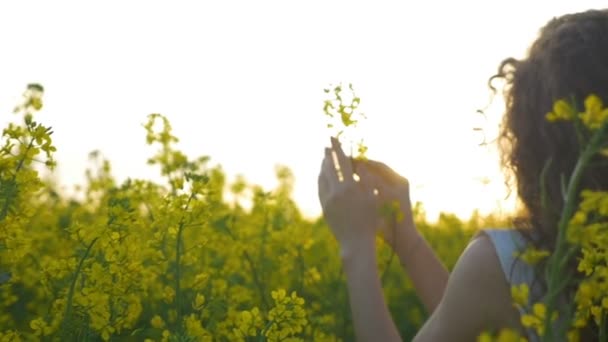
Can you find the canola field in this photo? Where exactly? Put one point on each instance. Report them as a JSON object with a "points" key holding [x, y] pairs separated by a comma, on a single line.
{"points": [[177, 261]]}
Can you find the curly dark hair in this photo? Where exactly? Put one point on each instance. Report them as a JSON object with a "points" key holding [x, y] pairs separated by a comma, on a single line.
{"points": [[568, 60]]}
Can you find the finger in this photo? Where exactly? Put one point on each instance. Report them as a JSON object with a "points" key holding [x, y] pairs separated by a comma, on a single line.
{"points": [[383, 171], [344, 163], [327, 179], [329, 169], [323, 188]]}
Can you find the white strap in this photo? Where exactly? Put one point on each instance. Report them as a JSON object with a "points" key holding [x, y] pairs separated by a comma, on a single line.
{"points": [[507, 242]]}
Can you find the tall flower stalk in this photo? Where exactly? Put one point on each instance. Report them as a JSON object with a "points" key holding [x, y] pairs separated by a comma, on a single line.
{"points": [[592, 130], [580, 229]]}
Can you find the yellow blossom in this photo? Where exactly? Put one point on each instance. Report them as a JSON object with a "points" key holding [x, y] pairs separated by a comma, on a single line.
{"points": [[484, 337], [157, 322], [536, 319], [199, 301], [595, 115], [509, 335], [195, 328], [531, 255], [574, 336], [520, 294], [504, 335], [562, 110]]}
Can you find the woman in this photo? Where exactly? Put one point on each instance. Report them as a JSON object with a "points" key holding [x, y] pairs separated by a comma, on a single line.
{"points": [[569, 59]]}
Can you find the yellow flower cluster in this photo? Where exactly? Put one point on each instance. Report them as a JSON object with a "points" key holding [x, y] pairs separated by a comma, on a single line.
{"points": [[594, 116], [342, 112], [10, 336], [581, 238], [536, 319], [562, 110], [287, 317], [531, 255], [504, 335], [587, 229], [521, 295]]}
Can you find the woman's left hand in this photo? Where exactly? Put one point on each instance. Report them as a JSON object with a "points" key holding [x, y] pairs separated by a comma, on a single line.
{"points": [[350, 206]]}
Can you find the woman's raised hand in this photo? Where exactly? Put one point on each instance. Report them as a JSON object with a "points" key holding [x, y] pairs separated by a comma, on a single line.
{"points": [[353, 207], [349, 206]]}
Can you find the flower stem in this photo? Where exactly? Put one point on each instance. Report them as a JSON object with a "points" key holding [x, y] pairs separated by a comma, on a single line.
{"points": [[68, 306], [6, 206], [178, 253]]}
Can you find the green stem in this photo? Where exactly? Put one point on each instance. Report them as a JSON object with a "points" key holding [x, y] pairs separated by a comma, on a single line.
{"points": [[387, 267], [302, 265], [603, 330], [68, 306], [265, 330], [178, 253], [256, 280], [254, 273], [6, 206]]}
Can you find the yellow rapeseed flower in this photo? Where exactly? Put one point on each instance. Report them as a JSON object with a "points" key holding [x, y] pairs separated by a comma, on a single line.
{"points": [[562, 110], [574, 336], [199, 301], [484, 337], [595, 114], [278, 295], [157, 322], [510, 335], [531, 255], [520, 295], [9, 336], [597, 312], [504, 335], [536, 319], [194, 328]]}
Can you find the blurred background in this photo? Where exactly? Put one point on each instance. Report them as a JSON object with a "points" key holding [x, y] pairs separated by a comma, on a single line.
{"points": [[242, 82]]}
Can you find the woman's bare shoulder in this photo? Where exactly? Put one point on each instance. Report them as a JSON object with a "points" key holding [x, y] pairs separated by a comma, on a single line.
{"points": [[477, 297]]}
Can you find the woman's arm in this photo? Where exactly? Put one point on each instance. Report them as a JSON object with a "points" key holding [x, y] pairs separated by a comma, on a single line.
{"points": [[371, 317], [351, 211], [428, 274], [477, 298]]}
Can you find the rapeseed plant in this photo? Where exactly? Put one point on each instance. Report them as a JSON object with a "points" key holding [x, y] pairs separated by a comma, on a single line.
{"points": [[174, 261]]}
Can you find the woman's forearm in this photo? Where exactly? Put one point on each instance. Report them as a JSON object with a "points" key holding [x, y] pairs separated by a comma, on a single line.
{"points": [[426, 271], [371, 317]]}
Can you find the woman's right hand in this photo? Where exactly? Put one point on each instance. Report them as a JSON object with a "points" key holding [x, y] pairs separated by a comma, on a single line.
{"points": [[393, 196]]}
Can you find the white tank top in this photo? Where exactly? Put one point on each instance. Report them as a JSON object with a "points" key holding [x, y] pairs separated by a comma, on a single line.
{"points": [[507, 242]]}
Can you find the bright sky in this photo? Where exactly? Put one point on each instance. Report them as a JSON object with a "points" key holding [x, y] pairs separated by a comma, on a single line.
{"points": [[242, 81]]}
